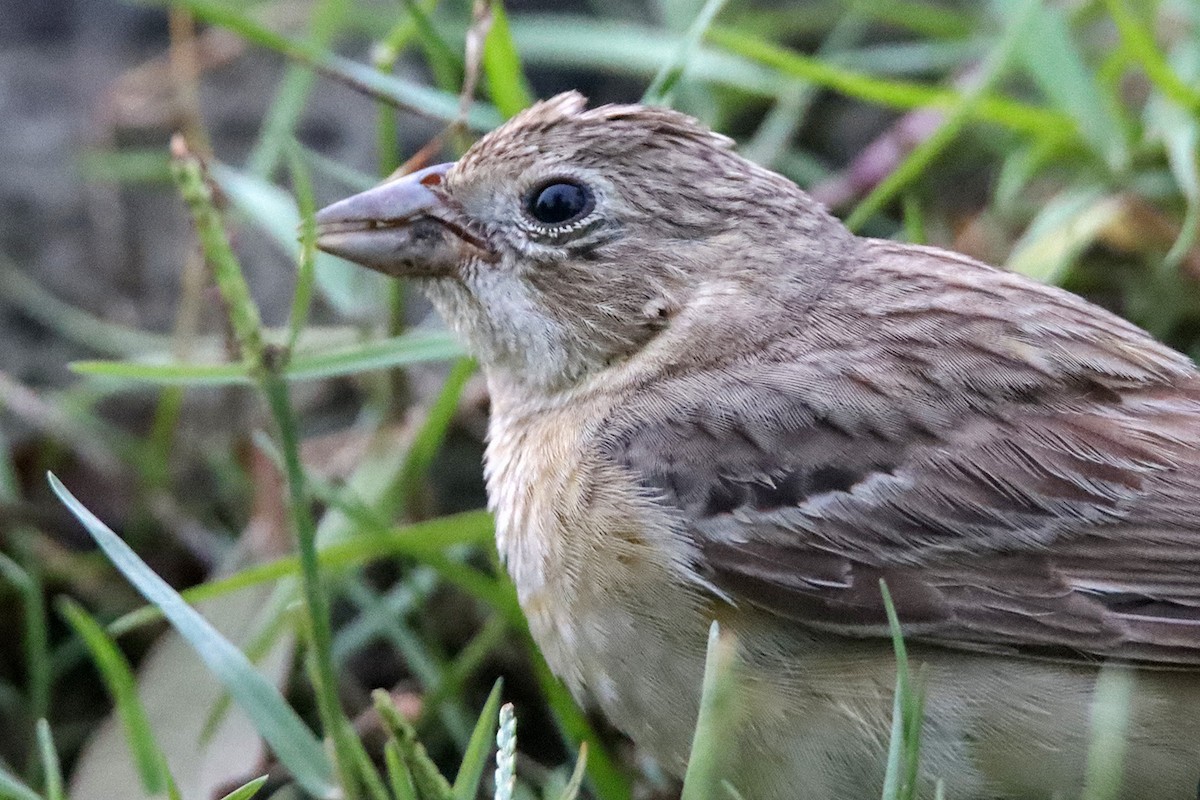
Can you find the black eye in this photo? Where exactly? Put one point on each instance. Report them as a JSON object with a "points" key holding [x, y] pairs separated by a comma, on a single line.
{"points": [[560, 202]]}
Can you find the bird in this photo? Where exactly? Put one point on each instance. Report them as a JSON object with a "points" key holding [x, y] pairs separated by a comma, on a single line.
{"points": [[711, 401]]}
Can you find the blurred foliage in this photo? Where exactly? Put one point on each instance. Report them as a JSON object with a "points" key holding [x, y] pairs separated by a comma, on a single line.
{"points": [[1059, 139]]}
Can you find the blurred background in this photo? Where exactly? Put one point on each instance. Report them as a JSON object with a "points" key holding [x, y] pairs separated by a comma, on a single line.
{"points": [[1058, 139]]}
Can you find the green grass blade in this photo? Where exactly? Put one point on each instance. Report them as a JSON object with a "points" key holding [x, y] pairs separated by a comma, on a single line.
{"points": [[1179, 131], [122, 685], [1053, 60], [71, 322], [628, 49], [166, 374], [1140, 43], [1064, 227], [904, 747], [403, 94], [571, 790], [607, 781], [35, 637], [293, 743], [1111, 706], [445, 64], [924, 154], [11, 788], [126, 166], [423, 541], [416, 347], [475, 758], [246, 791], [425, 446], [660, 90], [716, 720], [1002, 111], [399, 778], [428, 782], [52, 777], [294, 89], [506, 82]]}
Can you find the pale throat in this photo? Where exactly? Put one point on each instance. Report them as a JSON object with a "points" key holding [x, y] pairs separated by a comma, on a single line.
{"points": [[506, 328]]}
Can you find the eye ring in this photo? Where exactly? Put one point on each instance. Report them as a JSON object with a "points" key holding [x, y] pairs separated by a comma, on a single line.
{"points": [[559, 202]]}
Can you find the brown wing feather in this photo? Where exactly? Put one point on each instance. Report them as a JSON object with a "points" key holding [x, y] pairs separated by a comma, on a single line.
{"points": [[1046, 501]]}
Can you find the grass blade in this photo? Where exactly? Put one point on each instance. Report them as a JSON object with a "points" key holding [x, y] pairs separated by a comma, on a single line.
{"points": [[1111, 706], [410, 348], [908, 702], [34, 627], [1140, 42], [122, 685], [292, 95], [606, 780], [1002, 111], [406, 349], [506, 81], [399, 778], [246, 791], [716, 718], [11, 788], [924, 154], [307, 260], [1066, 225], [423, 541], [475, 758], [52, 777], [1052, 59], [660, 90], [403, 94], [571, 790], [71, 322], [166, 374], [293, 743]]}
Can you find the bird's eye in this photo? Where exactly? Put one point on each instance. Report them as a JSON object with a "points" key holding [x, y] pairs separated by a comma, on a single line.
{"points": [[560, 202]]}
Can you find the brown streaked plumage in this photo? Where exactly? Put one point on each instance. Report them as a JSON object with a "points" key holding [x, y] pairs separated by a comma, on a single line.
{"points": [[711, 400]]}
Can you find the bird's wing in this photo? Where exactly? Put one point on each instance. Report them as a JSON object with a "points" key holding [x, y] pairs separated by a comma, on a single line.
{"points": [[1043, 496]]}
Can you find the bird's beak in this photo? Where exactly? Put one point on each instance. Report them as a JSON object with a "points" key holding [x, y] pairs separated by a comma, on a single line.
{"points": [[402, 228]]}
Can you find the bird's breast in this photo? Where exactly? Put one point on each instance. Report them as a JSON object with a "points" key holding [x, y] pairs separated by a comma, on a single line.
{"points": [[596, 567]]}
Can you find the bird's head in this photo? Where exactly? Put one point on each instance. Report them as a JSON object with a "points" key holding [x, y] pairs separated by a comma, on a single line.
{"points": [[567, 239]]}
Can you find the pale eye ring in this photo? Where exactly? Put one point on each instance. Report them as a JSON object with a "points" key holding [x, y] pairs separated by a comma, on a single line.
{"points": [[560, 202]]}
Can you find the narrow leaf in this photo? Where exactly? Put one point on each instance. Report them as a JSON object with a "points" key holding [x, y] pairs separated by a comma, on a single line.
{"points": [[1054, 61], [411, 348], [893, 93], [294, 744], [571, 790], [1065, 226], [403, 94], [11, 788], [661, 88], [506, 81], [246, 791], [122, 685], [716, 720], [51, 768], [475, 758]]}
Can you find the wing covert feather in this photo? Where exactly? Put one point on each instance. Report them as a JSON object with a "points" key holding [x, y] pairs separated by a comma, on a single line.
{"points": [[1045, 501]]}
